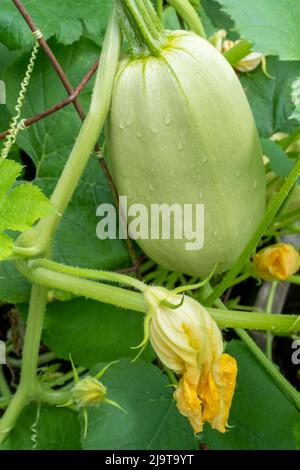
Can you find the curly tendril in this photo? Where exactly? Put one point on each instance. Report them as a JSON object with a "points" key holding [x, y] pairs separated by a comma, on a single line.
{"points": [[16, 124]]}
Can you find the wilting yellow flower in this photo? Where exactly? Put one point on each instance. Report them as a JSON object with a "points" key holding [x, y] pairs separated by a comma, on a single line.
{"points": [[88, 391], [188, 341], [276, 262], [226, 45], [249, 62]]}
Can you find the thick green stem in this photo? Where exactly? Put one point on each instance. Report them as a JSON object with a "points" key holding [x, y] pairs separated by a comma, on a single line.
{"points": [[141, 26], [159, 7], [52, 397], [33, 334], [42, 359], [189, 15], [275, 323], [269, 306], [28, 384], [272, 210], [88, 273], [42, 234], [101, 292], [238, 51], [241, 278], [15, 407], [294, 280], [134, 301]]}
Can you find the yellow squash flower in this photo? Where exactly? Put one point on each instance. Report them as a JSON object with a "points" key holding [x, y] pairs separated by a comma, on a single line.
{"points": [[276, 262], [188, 341]]}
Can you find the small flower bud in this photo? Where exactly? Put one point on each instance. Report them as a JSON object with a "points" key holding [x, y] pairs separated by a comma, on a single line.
{"points": [[88, 391], [276, 262]]}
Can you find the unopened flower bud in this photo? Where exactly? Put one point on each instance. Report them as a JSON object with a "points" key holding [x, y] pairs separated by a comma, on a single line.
{"points": [[88, 391], [276, 262]]}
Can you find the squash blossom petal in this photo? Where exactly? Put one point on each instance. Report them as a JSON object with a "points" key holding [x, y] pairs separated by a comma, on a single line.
{"points": [[276, 262], [249, 62], [188, 341]]}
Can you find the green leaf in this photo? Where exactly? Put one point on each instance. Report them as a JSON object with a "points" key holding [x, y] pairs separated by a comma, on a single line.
{"points": [[279, 161], [261, 416], [92, 331], [170, 19], [20, 207], [56, 429], [10, 171], [270, 99], [219, 19], [272, 25], [287, 73], [65, 20], [14, 288], [6, 58], [6, 246], [152, 420], [296, 430]]}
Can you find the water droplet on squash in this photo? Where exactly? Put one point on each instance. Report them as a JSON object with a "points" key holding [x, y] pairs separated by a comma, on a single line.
{"points": [[215, 233], [121, 125], [168, 119], [151, 188], [128, 122], [204, 159], [237, 173], [139, 135], [154, 128], [180, 146], [255, 184]]}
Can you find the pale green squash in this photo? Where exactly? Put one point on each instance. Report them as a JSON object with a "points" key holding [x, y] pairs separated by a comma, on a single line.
{"points": [[181, 131]]}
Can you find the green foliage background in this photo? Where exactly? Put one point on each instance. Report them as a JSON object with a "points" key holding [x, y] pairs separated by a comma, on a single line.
{"points": [[261, 417]]}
